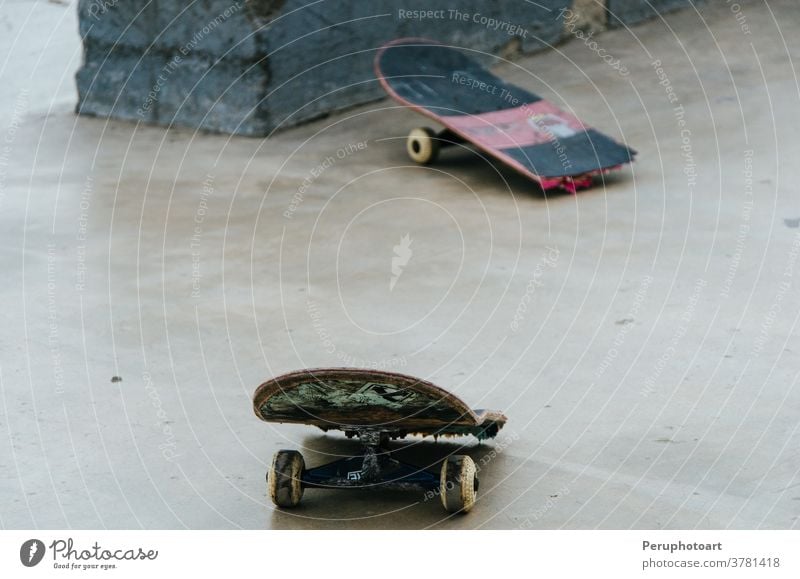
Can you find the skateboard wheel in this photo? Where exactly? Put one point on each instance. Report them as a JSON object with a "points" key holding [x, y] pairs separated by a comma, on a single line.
{"points": [[458, 484], [284, 478], [422, 145]]}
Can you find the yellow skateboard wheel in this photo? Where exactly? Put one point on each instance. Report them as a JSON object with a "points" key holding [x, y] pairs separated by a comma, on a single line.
{"points": [[458, 484], [422, 145], [284, 478]]}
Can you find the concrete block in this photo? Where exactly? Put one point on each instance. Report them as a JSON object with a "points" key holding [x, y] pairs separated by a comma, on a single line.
{"points": [[627, 12]]}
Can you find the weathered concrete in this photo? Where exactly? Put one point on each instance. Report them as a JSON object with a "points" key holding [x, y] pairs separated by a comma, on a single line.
{"points": [[589, 15], [641, 336], [627, 12]]}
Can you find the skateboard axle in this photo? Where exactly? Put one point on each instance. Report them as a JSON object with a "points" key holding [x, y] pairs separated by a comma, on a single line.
{"points": [[373, 469]]}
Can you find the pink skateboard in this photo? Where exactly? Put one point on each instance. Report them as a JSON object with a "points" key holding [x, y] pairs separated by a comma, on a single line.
{"points": [[515, 126]]}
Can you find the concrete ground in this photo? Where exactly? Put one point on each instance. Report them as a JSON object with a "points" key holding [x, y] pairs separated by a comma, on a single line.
{"points": [[641, 336]]}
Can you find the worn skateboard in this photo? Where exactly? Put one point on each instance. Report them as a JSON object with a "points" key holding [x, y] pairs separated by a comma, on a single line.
{"points": [[376, 407], [511, 124]]}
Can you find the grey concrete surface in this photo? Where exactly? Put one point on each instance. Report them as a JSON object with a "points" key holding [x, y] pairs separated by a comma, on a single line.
{"points": [[628, 12], [641, 336], [589, 15]]}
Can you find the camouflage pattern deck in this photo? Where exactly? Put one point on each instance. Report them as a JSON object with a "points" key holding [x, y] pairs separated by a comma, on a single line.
{"points": [[355, 400]]}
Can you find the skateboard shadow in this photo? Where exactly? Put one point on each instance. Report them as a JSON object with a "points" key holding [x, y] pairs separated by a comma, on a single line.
{"points": [[382, 509], [488, 175]]}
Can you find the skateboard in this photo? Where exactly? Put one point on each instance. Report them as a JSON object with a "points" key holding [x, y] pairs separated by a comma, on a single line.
{"points": [[375, 407], [509, 123]]}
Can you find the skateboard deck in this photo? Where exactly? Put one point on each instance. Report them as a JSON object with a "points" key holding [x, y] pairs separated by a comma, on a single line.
{"points": [[376, 407], [511, 124], [354, 399]]}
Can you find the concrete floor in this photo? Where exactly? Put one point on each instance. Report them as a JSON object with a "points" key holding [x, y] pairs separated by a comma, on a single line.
{"points": [[641, 336]]}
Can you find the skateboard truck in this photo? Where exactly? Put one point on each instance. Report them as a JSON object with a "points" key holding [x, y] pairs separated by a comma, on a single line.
{"points": [[374, 469], [423, 143]]}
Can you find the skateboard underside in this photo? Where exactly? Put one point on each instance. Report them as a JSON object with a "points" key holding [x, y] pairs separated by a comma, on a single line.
{"points": [[510, 123]]}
